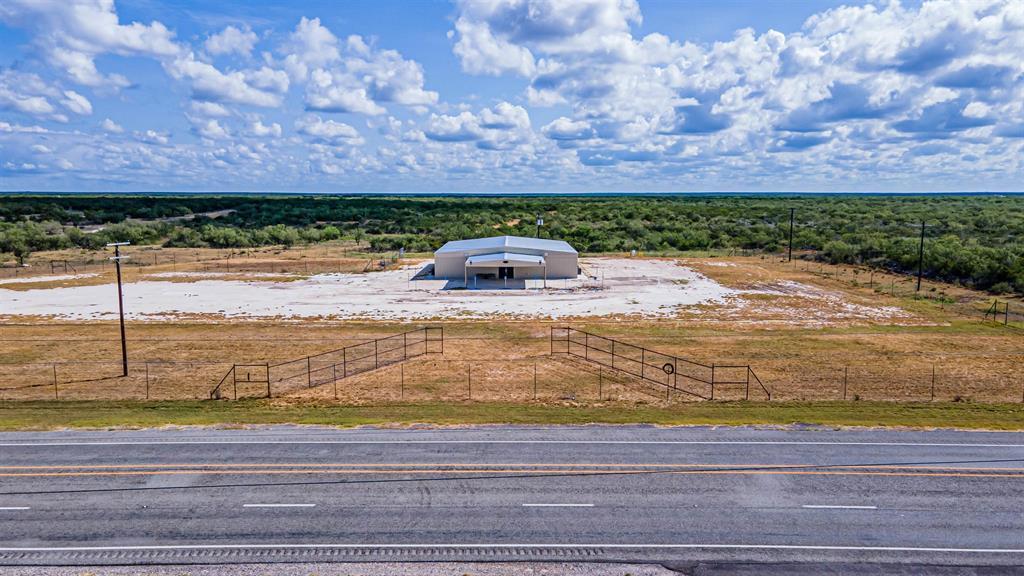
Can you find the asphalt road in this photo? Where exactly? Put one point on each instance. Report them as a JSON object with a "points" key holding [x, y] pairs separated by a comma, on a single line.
{"points": [[639, 494]]}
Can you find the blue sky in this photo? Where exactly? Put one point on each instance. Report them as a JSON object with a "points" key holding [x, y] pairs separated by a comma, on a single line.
{"points": [[511, 95]]}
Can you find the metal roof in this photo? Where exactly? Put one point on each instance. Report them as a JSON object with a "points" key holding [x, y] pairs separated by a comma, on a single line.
{"points": [[502, 243], [505, 258]]}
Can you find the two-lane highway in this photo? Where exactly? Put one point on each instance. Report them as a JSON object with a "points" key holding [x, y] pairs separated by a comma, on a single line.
{"points": [[506, 493]]}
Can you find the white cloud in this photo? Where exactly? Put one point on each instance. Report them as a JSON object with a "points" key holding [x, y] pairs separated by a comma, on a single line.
{"points": [[72, 33], [17, 128], [565, 129], [354, 77], [206, 108], [29, 94], [109, 125], [231, 40], [76, 103], [257, 128], [851, 77], [340, 92], [327, 130], [209, 83], [502, 127], [885, 93], [210, 129], [269, 79], [461, 128], [311, 45], [152, 137]]}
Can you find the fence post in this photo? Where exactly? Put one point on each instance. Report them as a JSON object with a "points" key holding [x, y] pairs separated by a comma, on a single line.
{"points": [[266, 369], [747, 395], [334, 374], [234, 380], [469, 379], [933, 382], [551, 343], [846, 376], [402, 368], [712, 380], [309, 374], [405, 344], [147, 380], [1006, 314], [344, 362], [56, 394], [534, 378], [600, 383], [376, 364], [643, 362]]}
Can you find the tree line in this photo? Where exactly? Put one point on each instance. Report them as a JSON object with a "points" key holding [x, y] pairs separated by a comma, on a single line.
{"points": [[974, 240]]}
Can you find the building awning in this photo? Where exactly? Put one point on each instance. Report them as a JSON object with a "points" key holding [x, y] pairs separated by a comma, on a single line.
{"points": [[505, 259]]}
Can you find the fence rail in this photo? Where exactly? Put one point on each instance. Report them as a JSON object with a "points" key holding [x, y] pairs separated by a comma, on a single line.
{"points": [[999, 312], [330, 366], [698, 379]]}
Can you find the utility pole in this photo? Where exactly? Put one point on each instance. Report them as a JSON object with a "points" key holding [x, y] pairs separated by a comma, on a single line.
{"points": [[791, 212], [920, 258], [540, 222], [120, 302]]}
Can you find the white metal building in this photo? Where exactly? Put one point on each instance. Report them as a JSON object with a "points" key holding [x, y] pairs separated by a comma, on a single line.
{"points": [[506, 257]]}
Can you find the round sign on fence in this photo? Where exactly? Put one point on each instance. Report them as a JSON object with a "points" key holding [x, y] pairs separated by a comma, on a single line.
{"points": [[668, 368]]}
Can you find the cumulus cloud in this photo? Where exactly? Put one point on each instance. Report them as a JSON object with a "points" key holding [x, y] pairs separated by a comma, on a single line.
{"points": [[238, 87], [76, 103], [257, 128], [327, 130], [152, 137], [206, 108], [231, 40], [461, 128], [499, 128], [72, 33], [566, 129], [210, 129], [109, 125], [29, 94], [351, 76], [853, 76], [883, 92]]}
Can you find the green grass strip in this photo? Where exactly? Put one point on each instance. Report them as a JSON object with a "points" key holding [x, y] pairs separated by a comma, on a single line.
{"points": [[138, 414]]}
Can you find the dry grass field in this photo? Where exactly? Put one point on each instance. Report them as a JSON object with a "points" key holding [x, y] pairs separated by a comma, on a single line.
{"points": [[810, 332]]}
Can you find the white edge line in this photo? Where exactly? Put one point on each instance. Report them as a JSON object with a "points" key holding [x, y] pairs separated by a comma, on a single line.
{"points": [[838, 507], [598, 442], [278, 505], [821, 547], [15, 508], [558, 505]]}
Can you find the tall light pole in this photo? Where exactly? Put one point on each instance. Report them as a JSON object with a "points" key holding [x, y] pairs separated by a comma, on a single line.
{"points": [[120, 302], [540, 222]]}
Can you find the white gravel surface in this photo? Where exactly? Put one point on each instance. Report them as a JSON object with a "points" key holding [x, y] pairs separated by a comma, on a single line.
{"points": [[615, 286], [50, 278]]}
